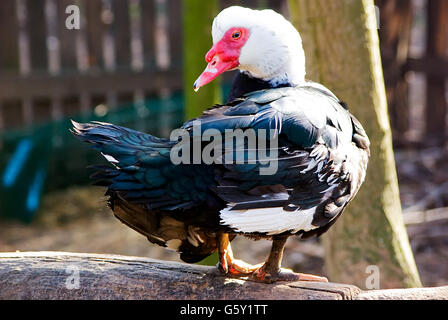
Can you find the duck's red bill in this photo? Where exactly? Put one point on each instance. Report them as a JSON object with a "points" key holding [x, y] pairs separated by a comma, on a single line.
{"points": [[214, 69]]}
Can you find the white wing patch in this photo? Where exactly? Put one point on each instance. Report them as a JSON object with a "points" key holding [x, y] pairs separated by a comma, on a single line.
{"points": [[268, 220], [110, 158]]}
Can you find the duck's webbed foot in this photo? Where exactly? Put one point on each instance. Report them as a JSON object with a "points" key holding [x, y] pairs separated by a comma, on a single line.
{"points": [[227, 264], [271, 272], [267, 272], [282, 274]]}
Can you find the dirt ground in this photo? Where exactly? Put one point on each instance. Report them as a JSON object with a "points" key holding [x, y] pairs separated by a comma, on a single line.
{"points": [[71, 221]]}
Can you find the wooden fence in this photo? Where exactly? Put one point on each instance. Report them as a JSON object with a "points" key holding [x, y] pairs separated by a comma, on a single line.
{"points": [[414, 42], [125, 50], [124, 65], [129, 50]]}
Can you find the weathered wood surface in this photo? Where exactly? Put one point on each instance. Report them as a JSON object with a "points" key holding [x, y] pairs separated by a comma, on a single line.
{"points": [[439, 293], [45, 275]]}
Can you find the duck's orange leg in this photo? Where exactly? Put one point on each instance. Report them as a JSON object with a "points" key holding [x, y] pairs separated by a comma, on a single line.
{"points": [[227, 264], [271, 271]]}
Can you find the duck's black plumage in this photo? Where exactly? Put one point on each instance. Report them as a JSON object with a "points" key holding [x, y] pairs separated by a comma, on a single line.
{"points": [[243, 83], [322, 158]]}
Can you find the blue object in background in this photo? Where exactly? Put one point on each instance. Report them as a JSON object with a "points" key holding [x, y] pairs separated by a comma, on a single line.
{"points": [[46, 157], [23, 165], [35, 190], [15, 164]]}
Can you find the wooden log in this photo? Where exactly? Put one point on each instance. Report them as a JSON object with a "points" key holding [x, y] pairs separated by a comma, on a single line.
{"points": [[44, 275], [439, 293], [59, 275]]}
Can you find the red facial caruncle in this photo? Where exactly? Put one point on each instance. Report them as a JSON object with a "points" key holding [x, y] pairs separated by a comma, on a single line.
{"points": [[223, 56]]}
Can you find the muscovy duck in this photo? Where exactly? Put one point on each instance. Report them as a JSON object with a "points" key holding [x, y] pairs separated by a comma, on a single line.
{"points": [[197, 208]]}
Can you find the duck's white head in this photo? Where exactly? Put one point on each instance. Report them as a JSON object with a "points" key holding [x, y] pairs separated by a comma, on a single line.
{"points": [[261, 43]]}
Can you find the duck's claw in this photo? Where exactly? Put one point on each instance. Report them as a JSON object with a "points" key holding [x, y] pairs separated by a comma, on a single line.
{"points": [[262, 275]]}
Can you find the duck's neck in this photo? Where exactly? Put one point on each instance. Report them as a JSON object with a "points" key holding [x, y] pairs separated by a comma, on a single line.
{"points": [[243, 83]]}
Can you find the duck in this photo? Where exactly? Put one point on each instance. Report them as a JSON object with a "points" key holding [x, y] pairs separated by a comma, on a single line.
{"points": [[307, 163]]}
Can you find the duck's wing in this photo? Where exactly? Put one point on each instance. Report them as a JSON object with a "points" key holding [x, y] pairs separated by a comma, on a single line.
{"points": [[142, 171], [317, 168]]}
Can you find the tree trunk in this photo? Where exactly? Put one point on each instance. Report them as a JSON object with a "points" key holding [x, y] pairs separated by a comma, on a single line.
{"points": [[341, 42], [198, 18]]}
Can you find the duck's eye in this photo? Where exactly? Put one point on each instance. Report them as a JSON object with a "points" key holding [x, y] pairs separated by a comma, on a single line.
{"points": [[236, 35]]}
